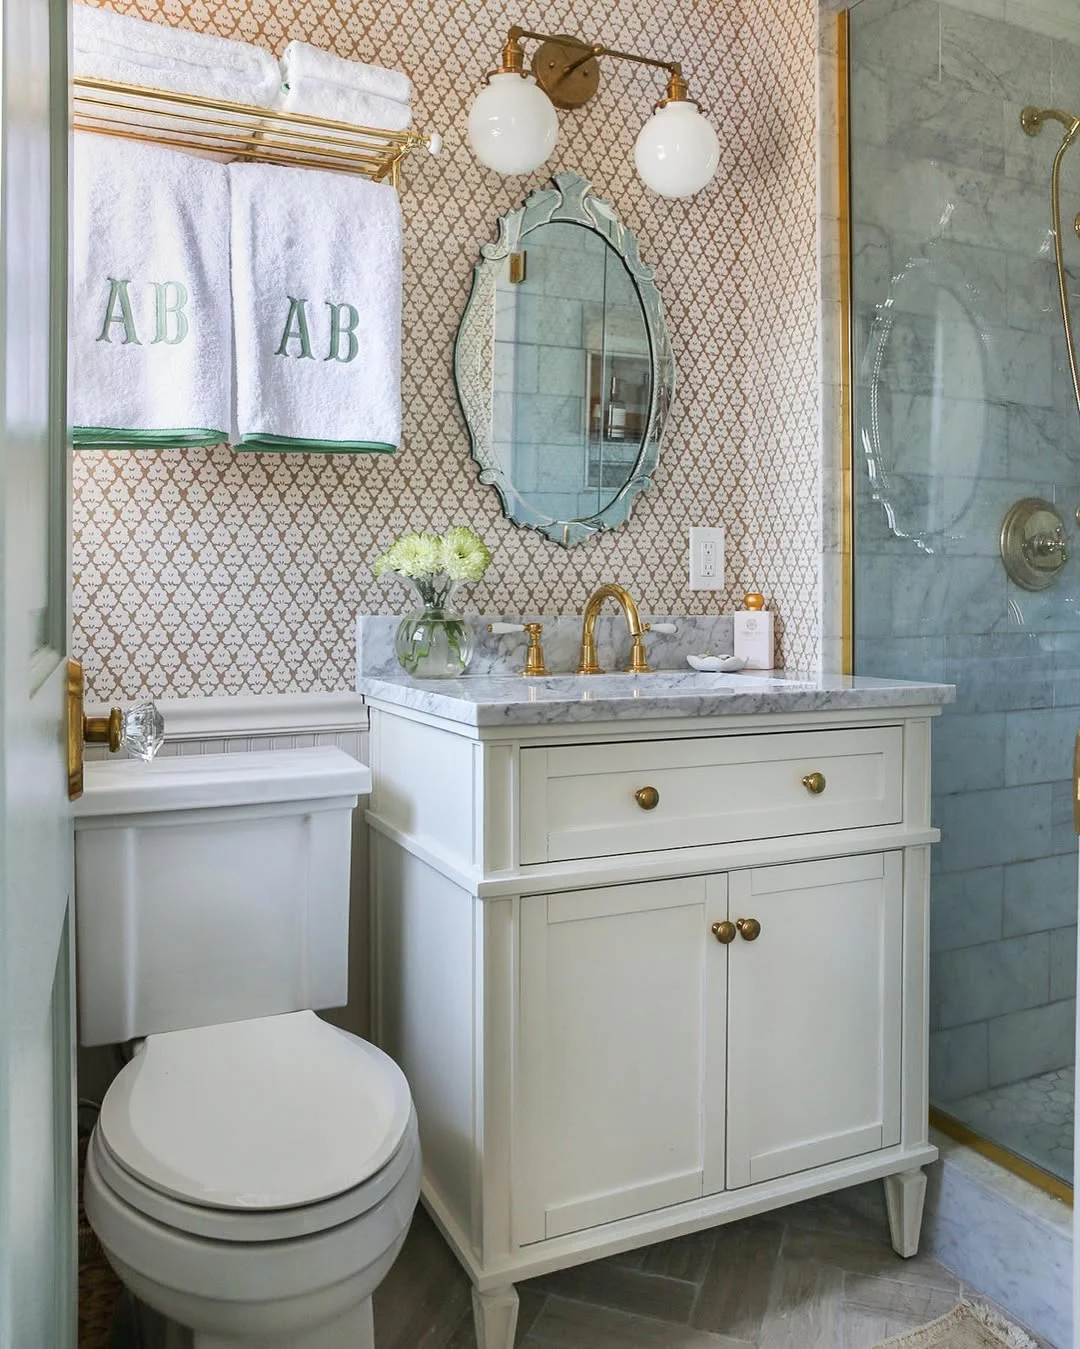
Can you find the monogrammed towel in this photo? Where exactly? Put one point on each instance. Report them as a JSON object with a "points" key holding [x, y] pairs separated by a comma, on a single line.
{"points": [[316, 285], [111, 46], [151, 341]]}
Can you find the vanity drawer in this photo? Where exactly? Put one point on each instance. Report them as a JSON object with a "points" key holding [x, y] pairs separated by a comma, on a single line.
{"points": [[593, 800]]}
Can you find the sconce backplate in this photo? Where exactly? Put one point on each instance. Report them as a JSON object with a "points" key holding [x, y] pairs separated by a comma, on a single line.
{"points": [[1033, 545], [551, 62]]}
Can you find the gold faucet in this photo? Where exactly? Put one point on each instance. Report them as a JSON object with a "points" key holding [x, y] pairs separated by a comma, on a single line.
{"points": [[587, 662]]}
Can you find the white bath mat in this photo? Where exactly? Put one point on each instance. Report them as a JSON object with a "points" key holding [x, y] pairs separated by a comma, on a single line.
{"points": [[967, 1326]]}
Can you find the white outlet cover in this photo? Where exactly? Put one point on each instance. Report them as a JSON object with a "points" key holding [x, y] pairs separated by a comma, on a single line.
{"points": [[706, 557]]}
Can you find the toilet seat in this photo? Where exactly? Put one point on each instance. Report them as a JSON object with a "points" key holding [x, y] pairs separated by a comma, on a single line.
{"points": [[256, 1130]]}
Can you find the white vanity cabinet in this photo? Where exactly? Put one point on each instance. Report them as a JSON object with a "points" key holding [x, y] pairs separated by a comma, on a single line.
{"points": [[649, 976]]}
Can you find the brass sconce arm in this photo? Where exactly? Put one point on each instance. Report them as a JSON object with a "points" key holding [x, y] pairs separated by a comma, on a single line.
{"points": [[560, 58]]}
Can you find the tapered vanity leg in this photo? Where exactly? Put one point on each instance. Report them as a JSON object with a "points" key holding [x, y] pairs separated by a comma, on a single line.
{"points": [[495, 1315], [904, 1197]]}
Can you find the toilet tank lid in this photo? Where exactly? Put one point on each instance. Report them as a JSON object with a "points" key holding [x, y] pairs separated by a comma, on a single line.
{"points": [[210, 781]]}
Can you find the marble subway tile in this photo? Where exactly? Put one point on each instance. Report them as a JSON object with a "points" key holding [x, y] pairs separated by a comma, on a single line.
{"points": [[923, 122], [975, 506], [969, 752], [1040, 441], [1032, 1041], [988, 55], [1055, 18], [980, 829], [549, 322], [1039, 745], [965, 907], [959, 1062], [998, 671], [904, 33], [902, 658], [931, 595], [1024, 367], [1065, 67], [981, 982], [1040, 894], [1063, 962]]}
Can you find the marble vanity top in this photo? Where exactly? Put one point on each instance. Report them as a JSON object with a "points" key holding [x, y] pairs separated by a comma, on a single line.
{"points": [[506, 700]]}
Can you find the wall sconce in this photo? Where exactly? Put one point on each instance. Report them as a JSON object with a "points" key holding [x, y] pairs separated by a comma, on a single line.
{"points": [[513, 125]]}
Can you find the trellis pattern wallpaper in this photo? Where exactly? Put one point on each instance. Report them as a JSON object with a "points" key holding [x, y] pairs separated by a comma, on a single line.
{"points": [[202, 572]]}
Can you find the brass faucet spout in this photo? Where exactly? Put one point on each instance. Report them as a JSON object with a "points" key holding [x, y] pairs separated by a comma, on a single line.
{"points": [[587, 661]]}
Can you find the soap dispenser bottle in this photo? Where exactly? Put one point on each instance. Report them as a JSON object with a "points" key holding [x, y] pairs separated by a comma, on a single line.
{"points": [[754, 633]]}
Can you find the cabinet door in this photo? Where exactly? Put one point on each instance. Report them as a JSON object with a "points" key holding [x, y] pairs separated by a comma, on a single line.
{"points": [[620, 1053], [814, 1015]]}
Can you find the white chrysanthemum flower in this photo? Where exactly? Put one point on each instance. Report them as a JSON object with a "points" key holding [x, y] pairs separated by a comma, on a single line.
{"points": [[413, 555], [465, 556]]}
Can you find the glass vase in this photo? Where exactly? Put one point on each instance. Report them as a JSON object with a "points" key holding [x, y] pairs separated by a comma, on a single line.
{"points": [[434, 641]]}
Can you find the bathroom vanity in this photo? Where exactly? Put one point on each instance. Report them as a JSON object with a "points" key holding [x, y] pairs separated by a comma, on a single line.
{"points": [[652, 953]]}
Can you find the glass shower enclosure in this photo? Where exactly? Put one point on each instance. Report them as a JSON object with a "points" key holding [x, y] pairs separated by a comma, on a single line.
{"points": [[966, 498]]}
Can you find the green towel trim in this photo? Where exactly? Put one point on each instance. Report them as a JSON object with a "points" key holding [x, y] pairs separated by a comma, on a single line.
{"points": [[117, 438], [292, 445]]}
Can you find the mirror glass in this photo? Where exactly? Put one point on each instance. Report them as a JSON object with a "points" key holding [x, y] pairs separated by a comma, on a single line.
{"points": [[563, 365]]}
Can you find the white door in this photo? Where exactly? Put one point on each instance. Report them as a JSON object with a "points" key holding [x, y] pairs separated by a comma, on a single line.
{"points": [[620, 1053], [37, 1222], [814, 1002]]}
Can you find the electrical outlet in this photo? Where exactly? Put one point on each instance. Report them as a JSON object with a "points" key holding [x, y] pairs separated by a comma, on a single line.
{"points": [[707, 558]]}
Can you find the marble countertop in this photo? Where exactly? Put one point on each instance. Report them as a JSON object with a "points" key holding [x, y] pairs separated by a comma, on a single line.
{"points": [[511, 700]]}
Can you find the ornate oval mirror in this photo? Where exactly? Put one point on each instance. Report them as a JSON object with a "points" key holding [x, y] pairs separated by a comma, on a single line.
{"points": [[563, 364]]}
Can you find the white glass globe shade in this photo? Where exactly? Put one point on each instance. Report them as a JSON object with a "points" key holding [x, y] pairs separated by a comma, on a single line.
{"points": [[677, 151], [513, 125]]}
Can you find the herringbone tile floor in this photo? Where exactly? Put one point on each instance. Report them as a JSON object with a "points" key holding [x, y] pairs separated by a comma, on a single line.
{"points": [[813, 1276]]}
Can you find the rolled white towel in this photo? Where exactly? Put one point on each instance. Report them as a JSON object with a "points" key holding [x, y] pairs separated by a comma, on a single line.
{"points": [[338, 104], [110, 46], [302, 61]]}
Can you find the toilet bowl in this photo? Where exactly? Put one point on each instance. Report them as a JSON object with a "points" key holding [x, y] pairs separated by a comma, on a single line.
{"points": [[250, 1177], [251, 1225]]}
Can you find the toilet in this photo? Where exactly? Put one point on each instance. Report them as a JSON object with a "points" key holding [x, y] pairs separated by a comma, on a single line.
{"points": [[254, 1170]]}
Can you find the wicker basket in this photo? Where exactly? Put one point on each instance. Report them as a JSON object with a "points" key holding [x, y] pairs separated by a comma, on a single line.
{"points": [[99, 1288]]}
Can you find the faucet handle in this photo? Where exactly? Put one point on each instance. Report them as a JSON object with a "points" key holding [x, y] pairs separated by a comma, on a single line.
{"points": [[666, 628], [534, 653]]}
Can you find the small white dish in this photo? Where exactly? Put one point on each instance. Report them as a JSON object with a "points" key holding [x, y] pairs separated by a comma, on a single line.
{"points": [[716, 664]]}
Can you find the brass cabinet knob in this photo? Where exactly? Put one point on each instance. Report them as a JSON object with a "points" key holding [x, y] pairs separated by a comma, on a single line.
{"points": [[724, 932], [814, 783], [749, 928], [648, 798]]}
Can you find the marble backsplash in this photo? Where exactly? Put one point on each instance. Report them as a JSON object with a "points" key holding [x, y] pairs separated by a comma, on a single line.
{"points": [[505, 653]]}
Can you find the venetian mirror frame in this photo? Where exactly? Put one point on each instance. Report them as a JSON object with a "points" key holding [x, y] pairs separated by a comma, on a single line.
{"points": [[570, 200]]}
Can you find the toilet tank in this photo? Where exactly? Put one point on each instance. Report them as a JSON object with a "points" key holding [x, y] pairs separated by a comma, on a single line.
{"points": [[212, 888]]}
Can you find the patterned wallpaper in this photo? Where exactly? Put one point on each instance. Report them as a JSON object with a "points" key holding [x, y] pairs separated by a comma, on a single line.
{"points": [[202, 572]]}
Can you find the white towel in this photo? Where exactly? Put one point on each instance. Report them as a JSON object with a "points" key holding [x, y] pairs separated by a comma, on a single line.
{"points": [[301, 61], [110, 46], [316, 280], [319, 98], [151, 337]]}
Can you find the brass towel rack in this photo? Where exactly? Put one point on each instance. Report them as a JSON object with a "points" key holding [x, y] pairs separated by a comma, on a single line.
{"points": [[241, 131]]}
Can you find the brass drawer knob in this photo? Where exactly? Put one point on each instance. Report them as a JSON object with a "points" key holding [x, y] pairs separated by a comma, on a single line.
{"points": [[814, 783], [749, 928], [724, 932], [648, 798]]}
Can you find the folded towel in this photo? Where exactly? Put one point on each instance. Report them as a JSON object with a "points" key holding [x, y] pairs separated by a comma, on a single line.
{"points": [[151, 337], [301, 61], [110, 46], [318, 98], [316, 281]]}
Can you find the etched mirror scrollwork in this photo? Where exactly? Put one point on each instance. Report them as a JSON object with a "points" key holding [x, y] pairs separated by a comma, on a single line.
{"points": [[563, 364]]}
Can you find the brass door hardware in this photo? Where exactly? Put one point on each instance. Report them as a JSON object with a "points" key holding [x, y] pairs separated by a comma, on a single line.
{"points": [[749, 928], [1033, 546], [814, 783], [648, 798], [724, 932], [82, 729]]}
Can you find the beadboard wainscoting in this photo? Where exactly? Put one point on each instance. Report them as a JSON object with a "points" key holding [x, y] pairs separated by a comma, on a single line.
{"points": [[225, 725]]}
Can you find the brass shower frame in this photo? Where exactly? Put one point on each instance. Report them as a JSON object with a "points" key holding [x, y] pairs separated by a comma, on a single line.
{"points": [[1033, 120]]}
